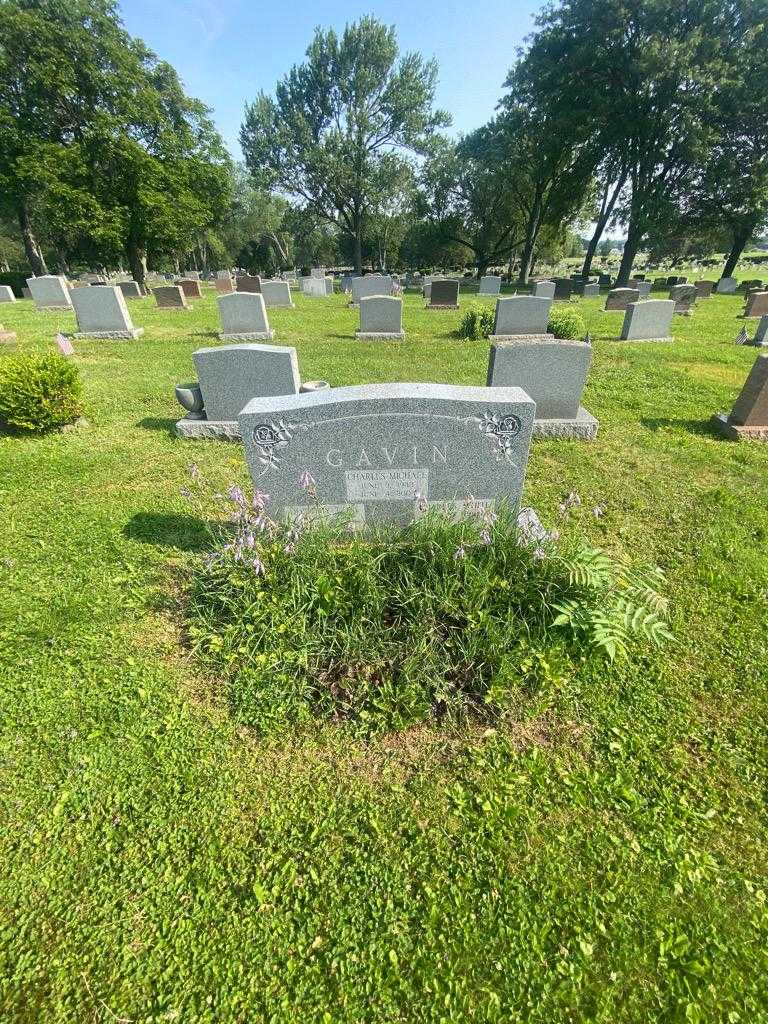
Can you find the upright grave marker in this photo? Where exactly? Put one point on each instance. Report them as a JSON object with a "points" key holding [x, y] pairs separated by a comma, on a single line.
{"points": [[102, 313], [170, 296], [229, 376], [190, 288], [243, 317], [371, 284], [704, 289], [490, 285], [385, 452], [313, 287], [748, 419], [726, 286], [521, 316], [224, 285], [249, 283], [563, 288], [684, 298], [544, 289], [277, 294], [650, 320], [130, 289], [444, 295], [620, 298], [6, 293], [381, 316], [756, 304], [50, 292]]}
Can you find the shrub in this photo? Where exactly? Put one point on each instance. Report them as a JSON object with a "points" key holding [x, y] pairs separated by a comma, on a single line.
{"points": [[476, 322], [566, 322], [39, 393], [381, 630]]}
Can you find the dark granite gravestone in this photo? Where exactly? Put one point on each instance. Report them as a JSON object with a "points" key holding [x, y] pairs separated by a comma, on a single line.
{"points": [[385, 452], [756, 305], [170, 297], [444, 295], [190, 288], [684, 297], [749, 417], [620, 298], [247, 283], [563, 288]]}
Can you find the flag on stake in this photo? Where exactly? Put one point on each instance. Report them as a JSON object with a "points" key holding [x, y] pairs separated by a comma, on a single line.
{"points": [[65, 345]]}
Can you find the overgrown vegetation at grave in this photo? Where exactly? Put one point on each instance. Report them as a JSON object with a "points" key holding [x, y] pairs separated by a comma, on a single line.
{"points": [[476, 322], [39, 393], [566, 322], [442, 619]]}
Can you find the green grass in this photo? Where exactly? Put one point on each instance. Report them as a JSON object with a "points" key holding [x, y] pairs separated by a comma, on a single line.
{"points": [[600, 855]]}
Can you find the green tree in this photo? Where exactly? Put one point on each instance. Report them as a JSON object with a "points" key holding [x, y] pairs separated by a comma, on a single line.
{"points": [[329, 135]]}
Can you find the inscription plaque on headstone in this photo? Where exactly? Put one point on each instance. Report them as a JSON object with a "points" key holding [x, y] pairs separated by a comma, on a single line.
{"points": [[381, 451]]}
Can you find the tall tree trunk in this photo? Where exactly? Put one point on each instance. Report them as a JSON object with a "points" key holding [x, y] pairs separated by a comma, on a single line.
{"points": [[631, 249], [137, 261], [33, 251], [531, 234], [358, 247], [741, 236], [610, 198]]}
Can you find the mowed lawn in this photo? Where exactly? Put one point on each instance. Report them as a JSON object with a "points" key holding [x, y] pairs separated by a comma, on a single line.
{"points": [[601, 855]]}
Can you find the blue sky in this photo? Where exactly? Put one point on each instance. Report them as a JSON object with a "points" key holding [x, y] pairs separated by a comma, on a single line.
{"points": [[227, 50]]}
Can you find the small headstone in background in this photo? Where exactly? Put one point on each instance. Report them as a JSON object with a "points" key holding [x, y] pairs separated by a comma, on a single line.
{"points": [[318, 272], [243, 317], [371, 284], [249, 283], [748, 419], [544, 289], [684, 298], [521, 315], [276, 294], [381, 316], [170, 296], [620, 298], [605, 280], [224, 285], [704, 289], [6, 293], [589, 291], [761, 335], [102, 313], [130, 289], [223, 275], [190, 288], [192, 275], [643, 289], [490, 285], [382, 452], [756, 305], [313, 287], [563, 288], [726, 286], [444, 295], [328, 285], [650, 320], [50, 292], [64, 345]]}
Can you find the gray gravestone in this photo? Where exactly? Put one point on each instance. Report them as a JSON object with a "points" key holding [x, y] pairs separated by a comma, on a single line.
{"points": [[650, 320], [371, 284], [704, 289], [190, 288], [381, 452], [589, 291], [276, 294], [490, 285], [224, 285], [761, 335], [726, 286], [620, 298], [313, 287], [643, 289], [170, 297], [544, 289], [749, 416], [684, 297], [130, 289], [102, 313], [521, 315], [50, 292], [381, 316], [553, 373], [249, 284], [243, 317], [757, 304], [317, 272], [223, 275], [444, 295], [605, 280], [6, 293], [193, 275], [230, 376], [563, 288], [328, 285]]}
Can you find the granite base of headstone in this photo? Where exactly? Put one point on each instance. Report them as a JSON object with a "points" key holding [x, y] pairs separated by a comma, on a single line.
{"points": [[553, 372], [748, 420], [386, 453], [229, 376]]}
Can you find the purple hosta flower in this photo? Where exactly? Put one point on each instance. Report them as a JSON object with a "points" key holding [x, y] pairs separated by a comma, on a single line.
{"points": [[194, 472], [459, 553], [260, 500], [421, 502], [258, 566], [485, 536], [598, 511], [249, 540], [236, 496], [185, 493], [307, 483], [570, 502], [554, 535], [539, 553]]}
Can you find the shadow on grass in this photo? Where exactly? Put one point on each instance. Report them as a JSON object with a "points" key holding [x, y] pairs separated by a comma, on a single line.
{"points": [[702, 427], [160, 423], [169, 530]]}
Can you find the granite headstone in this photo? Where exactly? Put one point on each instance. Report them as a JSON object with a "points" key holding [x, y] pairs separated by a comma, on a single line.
{"points": [[102, 313]]}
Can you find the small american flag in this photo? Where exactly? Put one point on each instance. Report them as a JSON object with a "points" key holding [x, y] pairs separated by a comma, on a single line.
{"points": [[64, 345]]}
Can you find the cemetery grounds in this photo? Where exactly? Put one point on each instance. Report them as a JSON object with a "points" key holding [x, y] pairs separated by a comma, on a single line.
{"points": [[599, 854]]}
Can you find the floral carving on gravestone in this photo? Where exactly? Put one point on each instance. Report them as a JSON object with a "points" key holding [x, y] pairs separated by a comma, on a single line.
{"points": [[503, 428], [268, 437]]}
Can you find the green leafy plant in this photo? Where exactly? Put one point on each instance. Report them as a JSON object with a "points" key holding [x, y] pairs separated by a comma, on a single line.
{"points": [[443, 618], [476, 322], [39, 393], [566, 322]]}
